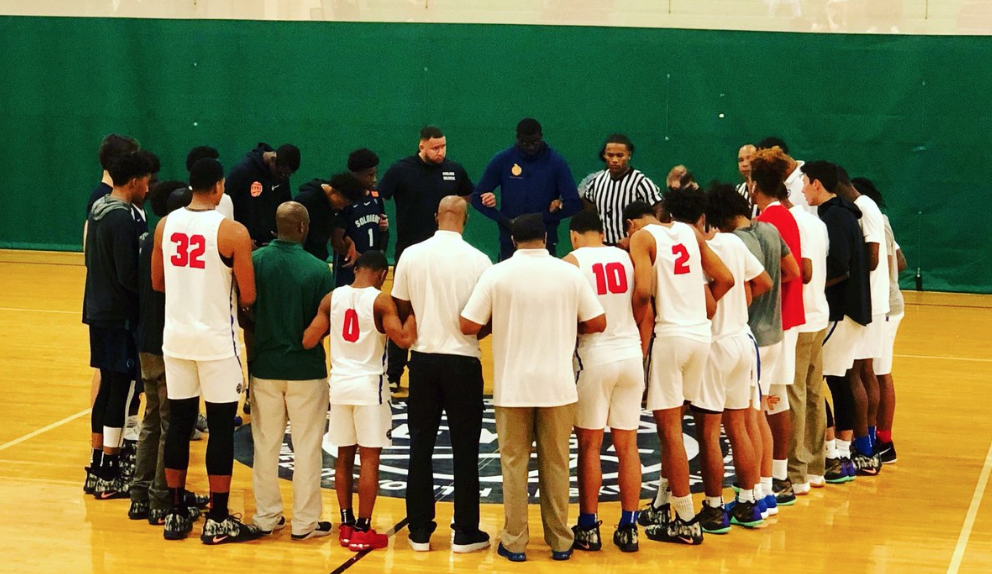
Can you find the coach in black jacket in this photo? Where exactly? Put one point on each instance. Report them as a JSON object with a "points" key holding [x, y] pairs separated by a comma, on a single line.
{"points": [[258, 185]]}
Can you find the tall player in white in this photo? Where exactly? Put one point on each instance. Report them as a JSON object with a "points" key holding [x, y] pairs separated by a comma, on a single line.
{"points": [[610, 382], [669, 261], [202, 262], [359, 317]]}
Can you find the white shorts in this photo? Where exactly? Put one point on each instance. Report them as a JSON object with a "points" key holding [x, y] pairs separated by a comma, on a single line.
{"points": [[838, 346], [771, 370], [610, 395], [788, 373], [883, 365], [730, 375], [369, 426], [872, 342], [778, 399], [756, 397], [218, 382], [676, 371]]}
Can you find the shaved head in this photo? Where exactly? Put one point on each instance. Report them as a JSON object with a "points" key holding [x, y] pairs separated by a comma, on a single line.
{"points": [[452, 213], [292, 222], [744, 156]]}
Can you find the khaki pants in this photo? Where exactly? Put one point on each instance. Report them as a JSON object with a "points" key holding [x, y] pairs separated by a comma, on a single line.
{"points": [[149, 474], [808, 409], [305, 403], [518, 428]]}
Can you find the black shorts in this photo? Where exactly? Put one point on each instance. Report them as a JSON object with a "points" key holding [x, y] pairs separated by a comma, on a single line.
{"points": [[113, 349]]}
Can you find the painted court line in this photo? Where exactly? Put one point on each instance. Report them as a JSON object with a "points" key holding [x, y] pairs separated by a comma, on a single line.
{"points": [[969, 519], [42, 430], [938, 357], [21, 310]]}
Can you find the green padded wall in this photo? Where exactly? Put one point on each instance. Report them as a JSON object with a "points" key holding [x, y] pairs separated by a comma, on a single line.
{"points": [[910, 112]]}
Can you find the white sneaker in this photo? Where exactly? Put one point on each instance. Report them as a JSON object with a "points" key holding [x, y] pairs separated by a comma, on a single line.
{"points": [[817, 481], [801, 489]]}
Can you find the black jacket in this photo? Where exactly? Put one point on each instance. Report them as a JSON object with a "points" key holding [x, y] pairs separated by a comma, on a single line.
{"points": [[847, 257], [256, 194], [111, 294], [323, 218]]}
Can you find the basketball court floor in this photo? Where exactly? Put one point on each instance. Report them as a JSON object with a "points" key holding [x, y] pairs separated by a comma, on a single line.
{"points": [[930, 512]]}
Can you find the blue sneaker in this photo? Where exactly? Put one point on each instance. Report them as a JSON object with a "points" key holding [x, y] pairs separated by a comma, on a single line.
{"points": [[560, 556], [713, 520], [746, 514], [849, 468], [511, 556], [771, 504]]}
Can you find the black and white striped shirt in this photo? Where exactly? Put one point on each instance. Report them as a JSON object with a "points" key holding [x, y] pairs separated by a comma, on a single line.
{"points": [[611, 196]]}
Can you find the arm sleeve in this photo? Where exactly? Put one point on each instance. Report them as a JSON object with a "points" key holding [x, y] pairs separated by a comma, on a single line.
{"points": [[387, 186], [479, 308], [650, 192], [569, 194], [465, 186], [873, 230], [489, 183], [126, 250], [589, 306], [236, 188], [586, 187], [752, 267], [839, 255]]}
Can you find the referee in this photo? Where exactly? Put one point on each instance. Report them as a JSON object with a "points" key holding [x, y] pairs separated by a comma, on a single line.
{"points": [[616, 187]]}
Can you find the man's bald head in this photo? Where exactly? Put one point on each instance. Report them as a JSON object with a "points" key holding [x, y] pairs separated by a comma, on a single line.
{"points": [[744, 156], [292, 222], [452, 213]]}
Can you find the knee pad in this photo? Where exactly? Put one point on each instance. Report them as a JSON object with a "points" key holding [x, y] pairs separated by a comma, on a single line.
{"points": [[182, 419], [220, 445]]}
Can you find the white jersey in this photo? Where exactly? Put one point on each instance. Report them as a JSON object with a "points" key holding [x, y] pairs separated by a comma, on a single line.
{"points": [[731, 316], [873, 228], [611, 275], [358, 349], [679, 294], [815, 244], [201, 321]]}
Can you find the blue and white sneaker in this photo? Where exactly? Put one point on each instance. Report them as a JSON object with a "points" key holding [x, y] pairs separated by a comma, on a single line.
{"points": [[771, 504]]}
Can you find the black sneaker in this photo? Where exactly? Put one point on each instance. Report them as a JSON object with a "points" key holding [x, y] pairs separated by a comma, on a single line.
{"points": [[678, 531], [323, 528], [89, 485], [464, 542], [866, 465], [109, 488], [420, 538], [177, 526], [834, 472], [280, 524], [746, 514], [156, 516], [652, 515], [138, 510], [587, 538], [193, 499], [887, 452], [625, 538], [784, 494], [713, 520], [231, 529]]}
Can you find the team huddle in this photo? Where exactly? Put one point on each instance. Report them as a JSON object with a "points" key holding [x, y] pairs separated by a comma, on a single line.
{"points": [[740, 306]]}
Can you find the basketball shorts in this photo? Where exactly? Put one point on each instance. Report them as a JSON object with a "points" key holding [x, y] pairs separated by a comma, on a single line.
{"points": [[839, 346], [113, 350], [610, 395], [883, 364], [772, 369], [678, 365], [219, 381], [788, 373], [730, 373], [873, 339], [368, 426]]}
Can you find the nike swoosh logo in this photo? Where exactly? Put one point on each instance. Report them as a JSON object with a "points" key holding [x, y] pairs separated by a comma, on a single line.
{"points": [[686, 540], [219, 539], [106, 495]]}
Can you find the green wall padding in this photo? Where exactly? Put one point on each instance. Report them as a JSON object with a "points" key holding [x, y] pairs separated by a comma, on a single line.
{"points": [[910, 112]]}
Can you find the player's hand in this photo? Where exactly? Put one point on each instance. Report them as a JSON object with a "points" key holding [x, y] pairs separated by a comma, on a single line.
{"points": [[555, 206], [351, 256], [489, 199], [383, 223], [624, 243]]}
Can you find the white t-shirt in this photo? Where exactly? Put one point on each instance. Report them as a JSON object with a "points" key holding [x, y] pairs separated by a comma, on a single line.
{"points": [[730, 318], [873, 228], [897, 304], [437, 276], [611, 275], [358, 349], [815, 243], [679, 288], [535, 302], [201, 321], [226, 207], [794, 183]]}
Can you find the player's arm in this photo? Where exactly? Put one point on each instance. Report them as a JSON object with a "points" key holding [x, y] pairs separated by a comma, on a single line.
{"points": [[759, 285], [158, 262], [790, 269], [872, 255], [403, 333], [475, 318], [570, 259], [320, 326], [807, 271], [233, 241], [642, 247], [721, 279], [901, 263], [710, 302]]}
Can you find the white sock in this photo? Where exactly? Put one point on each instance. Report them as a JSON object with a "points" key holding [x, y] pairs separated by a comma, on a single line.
{"points": [[714, 501], [746, 495], [661, 499], [766, 485], [780, 469], [844, 448], [831, 448], [683, 507]]}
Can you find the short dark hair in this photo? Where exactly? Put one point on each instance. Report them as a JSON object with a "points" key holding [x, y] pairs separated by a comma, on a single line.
{"points": [[770, 142], [636, 210], [153, 162], [823, 171], [362, 159], [866, 187], [288, 155], [200, 152], [686, 204], [586, 221], [430, 133], [372, 260], [842, 176], [115, 145], [348, 186], [529, 127], [179, 198], [129, 166], [158, 196], [528, 227], [723, 204], [205, 174], [616, 139]]}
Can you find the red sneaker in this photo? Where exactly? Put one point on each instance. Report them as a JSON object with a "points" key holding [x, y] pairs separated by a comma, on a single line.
{"points": [[345, 534], [370, 540]]}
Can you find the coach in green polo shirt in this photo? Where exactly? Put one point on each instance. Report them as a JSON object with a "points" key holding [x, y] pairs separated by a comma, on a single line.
{"points": [[286, 379]]}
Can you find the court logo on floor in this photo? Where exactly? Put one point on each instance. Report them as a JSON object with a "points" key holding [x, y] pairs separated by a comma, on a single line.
{"points": [[394, 460]]}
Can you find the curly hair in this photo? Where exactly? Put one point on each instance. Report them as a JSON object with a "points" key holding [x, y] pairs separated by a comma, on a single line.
{"points": [[769, 169]]}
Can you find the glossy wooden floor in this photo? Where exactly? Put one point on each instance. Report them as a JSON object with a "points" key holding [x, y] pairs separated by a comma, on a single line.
{"points": [[910, 519]]}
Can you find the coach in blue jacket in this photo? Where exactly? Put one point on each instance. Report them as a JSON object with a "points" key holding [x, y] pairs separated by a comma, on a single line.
{"points": [[533, 178]]}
